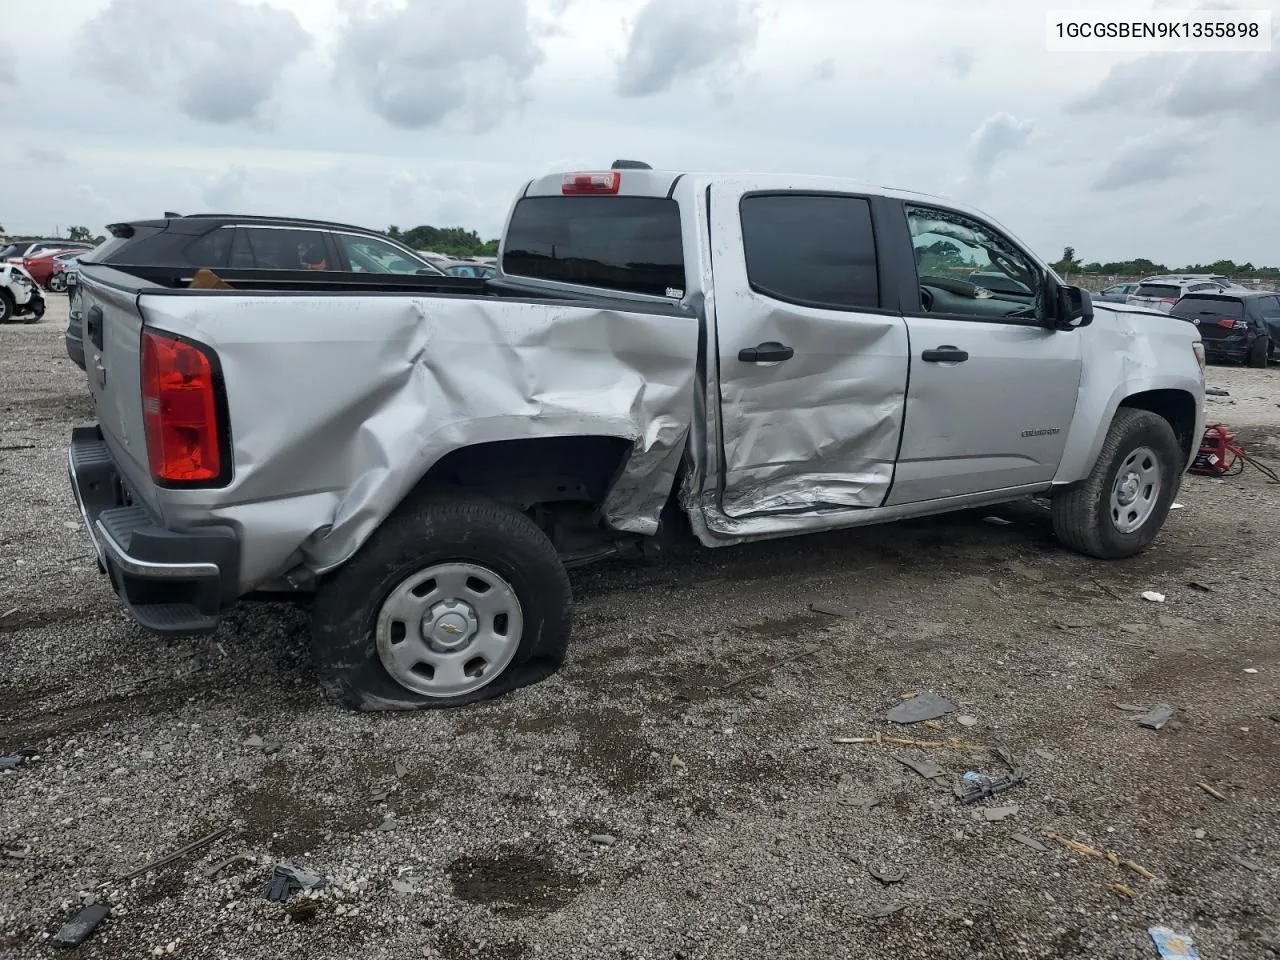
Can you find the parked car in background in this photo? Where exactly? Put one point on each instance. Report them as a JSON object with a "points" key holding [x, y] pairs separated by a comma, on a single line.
{"points": [[1161, 293], [1117, 292], [20, 296], [310, 248], [41, 265], [35, 248], [463, 268], [1235, 326], [63, 269]]}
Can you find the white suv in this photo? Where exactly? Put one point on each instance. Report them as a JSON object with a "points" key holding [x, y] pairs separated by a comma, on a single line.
{"points": [[1161, 293]]}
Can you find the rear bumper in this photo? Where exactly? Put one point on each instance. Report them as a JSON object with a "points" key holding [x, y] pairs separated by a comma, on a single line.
{"points": [[171, 582]]}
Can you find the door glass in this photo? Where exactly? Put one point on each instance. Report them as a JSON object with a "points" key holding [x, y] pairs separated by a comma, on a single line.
{"points": [[212, 250], [966, 268], [818, 251], [271, 249], [368, 255]]}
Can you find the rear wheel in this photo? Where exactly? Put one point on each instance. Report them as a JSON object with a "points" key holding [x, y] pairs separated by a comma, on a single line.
{"points": [[6, 306], [1121, 506], [450, 601], [1260, 353]]}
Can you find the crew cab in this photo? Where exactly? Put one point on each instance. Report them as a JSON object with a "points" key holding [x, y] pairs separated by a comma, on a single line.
{"points": [[662, 355]]}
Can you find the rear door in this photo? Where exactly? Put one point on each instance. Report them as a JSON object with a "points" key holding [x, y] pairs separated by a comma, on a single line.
{"points": [[812, 351], [992, 391]]}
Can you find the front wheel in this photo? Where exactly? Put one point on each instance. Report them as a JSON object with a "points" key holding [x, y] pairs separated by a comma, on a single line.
{"points": [[1121, 506], [1259, 354], [451, 601], [6, 306]]}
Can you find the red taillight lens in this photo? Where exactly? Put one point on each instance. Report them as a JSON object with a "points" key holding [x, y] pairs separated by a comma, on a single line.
{"points": [[1230, 323], [179, 406], [590, 183]]}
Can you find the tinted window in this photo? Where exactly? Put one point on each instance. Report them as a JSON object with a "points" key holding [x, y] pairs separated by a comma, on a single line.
{"points": [[620, 243], [269, 249], [370, 255], [1271, 306], [212, 250], [811, 250], [1158, 290], [1201, 306]]}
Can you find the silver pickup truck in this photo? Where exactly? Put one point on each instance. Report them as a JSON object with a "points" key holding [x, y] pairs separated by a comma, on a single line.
{"points": [[735, 357]]}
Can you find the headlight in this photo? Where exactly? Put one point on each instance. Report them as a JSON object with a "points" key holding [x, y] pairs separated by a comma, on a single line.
{"points": [[1198, 349]]}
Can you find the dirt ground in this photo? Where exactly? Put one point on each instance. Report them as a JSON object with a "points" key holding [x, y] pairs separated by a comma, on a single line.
{"points": [[675, 792]]}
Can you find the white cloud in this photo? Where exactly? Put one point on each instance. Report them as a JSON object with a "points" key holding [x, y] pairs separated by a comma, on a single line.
{"points": [[959, 60], [217, 62], [998, 136], [674, 39], [423, 63], [1151, 159]]}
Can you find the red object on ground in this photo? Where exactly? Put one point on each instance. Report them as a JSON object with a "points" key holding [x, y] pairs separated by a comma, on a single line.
{"points": [[1219, 454]]}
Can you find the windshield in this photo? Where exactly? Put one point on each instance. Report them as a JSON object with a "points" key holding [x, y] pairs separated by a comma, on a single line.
{"points": [[1160, 291]]}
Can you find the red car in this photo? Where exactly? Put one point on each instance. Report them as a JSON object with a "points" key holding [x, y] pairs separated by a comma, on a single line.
{"points": [[41, 265]]}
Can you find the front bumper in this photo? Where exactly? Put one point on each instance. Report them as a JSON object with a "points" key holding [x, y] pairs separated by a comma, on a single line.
{"points": [[171, 582]]}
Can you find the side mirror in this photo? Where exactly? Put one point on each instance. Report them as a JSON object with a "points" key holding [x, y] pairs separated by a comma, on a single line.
{"points": [[1070, 307]]}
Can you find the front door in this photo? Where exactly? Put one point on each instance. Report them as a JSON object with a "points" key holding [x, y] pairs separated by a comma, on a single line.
{"points": [[812, 357], [992, 390]]}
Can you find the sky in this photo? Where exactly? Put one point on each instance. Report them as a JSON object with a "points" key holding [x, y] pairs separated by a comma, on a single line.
{"points": [[379, 112]]}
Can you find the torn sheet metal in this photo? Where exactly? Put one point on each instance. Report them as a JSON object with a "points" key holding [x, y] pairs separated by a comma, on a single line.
{"points": [[378, 388]]}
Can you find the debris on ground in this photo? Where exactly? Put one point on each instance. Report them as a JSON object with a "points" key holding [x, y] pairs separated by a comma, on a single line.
{"points": [[12, 763], [180, 852], [1157, 717], [887, 876], [1247, 864], [603, 840], [17, 853], [1176, 506], [287, 879], [924, 706], [978, 786], [77, 930], [1216, 392], [404, 886], [1250, 669], [831, 610], [1210, 791], [678, 764], [995, 814], [997, 521], [214, 869], [886, 910], [1045, 754], [1197, 585], [930, 771], [1121, 889], [1031, 842], [951, 743], [967, 721], [1172, 945], [1076, 845], [1153, 596]]}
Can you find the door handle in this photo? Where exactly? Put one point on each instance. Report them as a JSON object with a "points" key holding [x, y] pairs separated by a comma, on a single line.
{"points": [[766, 352], [945, 354]]}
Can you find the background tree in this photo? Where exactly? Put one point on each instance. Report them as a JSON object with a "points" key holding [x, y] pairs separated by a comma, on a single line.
{"points": [[1068, 263], [79, 234]]}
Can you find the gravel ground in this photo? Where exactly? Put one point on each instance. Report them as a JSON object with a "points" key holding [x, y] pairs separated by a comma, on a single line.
{"points": [[674, 791]]}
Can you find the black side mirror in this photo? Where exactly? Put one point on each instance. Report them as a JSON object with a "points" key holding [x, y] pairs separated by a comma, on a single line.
{"points": [[1070, 308]]}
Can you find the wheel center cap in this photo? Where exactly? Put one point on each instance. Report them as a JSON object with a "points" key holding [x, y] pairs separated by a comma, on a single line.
{"points": [[449, 625], [1129, 488]]}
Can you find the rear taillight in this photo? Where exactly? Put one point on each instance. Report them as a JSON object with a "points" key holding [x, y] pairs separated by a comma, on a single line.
{"points": [[1168, 299], [590, 183], [180, 409], [1230, 323]]}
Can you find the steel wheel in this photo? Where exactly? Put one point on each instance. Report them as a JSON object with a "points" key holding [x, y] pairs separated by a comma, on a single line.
{"points": [[449, 630], [1136, 490]]}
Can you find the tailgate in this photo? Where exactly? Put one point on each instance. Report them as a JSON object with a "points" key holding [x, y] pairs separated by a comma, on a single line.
{"points": [[112, 336]]}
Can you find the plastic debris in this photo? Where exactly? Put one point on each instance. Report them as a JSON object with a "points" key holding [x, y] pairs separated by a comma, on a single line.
{"points": [[12, 763], [1031, 842], [1210, 791], [967, 721], [994, 814], [1158, 716], [1153, 596], [887, 876], [1250, 669], [930, 771], [925, 706], [603, 840], [1176, 506], [77, 930], [1172, 945], [287, 879]]}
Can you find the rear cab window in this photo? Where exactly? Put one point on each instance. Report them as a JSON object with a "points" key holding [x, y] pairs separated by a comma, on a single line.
{"points": [[628, 244]]}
